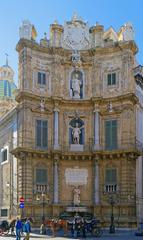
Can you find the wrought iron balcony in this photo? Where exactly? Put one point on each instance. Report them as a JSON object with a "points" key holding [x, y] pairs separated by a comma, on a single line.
{"points": [[130, 144], [41, 188]]}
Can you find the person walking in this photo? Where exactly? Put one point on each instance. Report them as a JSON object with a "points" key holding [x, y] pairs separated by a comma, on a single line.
{"points": [[18, 226], [27, 227]]}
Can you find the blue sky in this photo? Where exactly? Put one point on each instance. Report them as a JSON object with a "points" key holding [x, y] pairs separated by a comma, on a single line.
{"points": [[42, 13]]}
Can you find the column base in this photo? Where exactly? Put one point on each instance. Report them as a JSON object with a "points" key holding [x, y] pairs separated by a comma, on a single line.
{"points": [[56, 147], [96, 147]]}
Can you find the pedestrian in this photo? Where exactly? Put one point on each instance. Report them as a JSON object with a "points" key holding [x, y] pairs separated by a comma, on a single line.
{"points": [[83, 228], [18, 226], [27, 229]]}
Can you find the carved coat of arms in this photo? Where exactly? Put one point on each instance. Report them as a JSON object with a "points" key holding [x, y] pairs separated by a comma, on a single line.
{"points": [[76, 34]]}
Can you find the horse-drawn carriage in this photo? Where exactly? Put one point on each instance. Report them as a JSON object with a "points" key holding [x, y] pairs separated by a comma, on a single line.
{"points": [[81, 227], [77, 226], [7, 228]]}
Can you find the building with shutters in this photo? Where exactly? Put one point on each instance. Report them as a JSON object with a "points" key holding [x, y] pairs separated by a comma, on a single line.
{"points": [[78, 142]]}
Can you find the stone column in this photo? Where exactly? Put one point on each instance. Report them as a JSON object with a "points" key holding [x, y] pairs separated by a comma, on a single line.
{"points": [[56, 128], [96, 183], [96, 129], [56, 182]]}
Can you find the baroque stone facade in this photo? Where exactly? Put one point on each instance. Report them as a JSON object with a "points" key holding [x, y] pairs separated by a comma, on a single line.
{"points": [[78, 142]]}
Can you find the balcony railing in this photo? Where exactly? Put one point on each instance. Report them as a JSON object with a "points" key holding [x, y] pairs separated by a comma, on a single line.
{"points": [[131, 144], [41, 188]]}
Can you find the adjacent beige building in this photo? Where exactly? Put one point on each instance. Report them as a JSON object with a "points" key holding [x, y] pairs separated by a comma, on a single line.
{"points": [[78, 142]]}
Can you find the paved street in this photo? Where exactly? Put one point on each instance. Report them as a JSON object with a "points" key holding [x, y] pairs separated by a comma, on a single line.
{"points": [[119, 235]]}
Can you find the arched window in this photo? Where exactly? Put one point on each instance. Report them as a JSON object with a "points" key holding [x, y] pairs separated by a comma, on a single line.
{"points": [[76, 131]]}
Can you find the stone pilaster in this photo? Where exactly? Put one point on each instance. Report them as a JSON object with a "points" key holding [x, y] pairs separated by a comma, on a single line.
{"points": [[56, 128], [56, 182], [96, 183], [96, 129]]}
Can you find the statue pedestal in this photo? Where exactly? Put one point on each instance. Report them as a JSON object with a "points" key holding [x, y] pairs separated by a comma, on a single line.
{"points": [[76, 96], [76, 209], [76, 147]]}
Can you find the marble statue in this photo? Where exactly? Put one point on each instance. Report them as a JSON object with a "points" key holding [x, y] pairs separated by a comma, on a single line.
{"points": [[76, 195], [76, 134], [25, 30], [42, 105], [76, 84], [127, 32]]}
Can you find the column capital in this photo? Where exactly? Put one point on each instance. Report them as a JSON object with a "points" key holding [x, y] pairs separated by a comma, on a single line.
{"points": [[56, 109], [96, 109]]}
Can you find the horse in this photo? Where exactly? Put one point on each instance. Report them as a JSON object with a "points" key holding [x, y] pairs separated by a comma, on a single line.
{"points": [[57, 224]]}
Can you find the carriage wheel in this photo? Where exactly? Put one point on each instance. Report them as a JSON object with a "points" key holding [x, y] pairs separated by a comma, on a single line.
{"points": [[6, 232], [97, 232]]}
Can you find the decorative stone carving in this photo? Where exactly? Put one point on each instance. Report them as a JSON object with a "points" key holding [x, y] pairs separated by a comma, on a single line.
{"points": [[76, 34], [76, 60]]}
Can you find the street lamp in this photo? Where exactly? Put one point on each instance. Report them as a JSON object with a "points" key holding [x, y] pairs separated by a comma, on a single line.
{"points": [[43, 196], [112, 226]]}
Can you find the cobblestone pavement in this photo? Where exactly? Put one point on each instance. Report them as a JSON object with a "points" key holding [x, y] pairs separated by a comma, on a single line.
{"points": [[119, 235]]}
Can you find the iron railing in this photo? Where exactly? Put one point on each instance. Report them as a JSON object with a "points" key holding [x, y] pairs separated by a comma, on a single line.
{"points": [[131, 144]]}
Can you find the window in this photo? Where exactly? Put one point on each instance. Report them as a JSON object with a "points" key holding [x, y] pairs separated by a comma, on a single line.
{"points": [[41, 176], [111, 79], [41, 78], [4, 154], [110, 134], [41, 133], [4, 212], [111, 180]]}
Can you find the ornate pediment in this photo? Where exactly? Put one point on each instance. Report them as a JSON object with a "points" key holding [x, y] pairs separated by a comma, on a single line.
{"points": [[76, 34]]}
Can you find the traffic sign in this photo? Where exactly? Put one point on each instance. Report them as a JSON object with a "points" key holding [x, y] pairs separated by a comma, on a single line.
{"points": [[21, 205], [21, 199]]}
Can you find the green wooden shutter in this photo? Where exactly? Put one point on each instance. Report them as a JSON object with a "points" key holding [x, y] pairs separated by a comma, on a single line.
{"points": [[44, 79], [110, 134], [114, 134], [107, 135], [38, 133], [111, 176], [41, 133], [39, 77], [113, 78], [44, 134], [41, 176], [109, 79]]}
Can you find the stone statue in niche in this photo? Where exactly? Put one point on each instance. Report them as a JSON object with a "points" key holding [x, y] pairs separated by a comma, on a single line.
{"points": [[76, 131], [76, 196], [76, 134], [76, 85]]}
